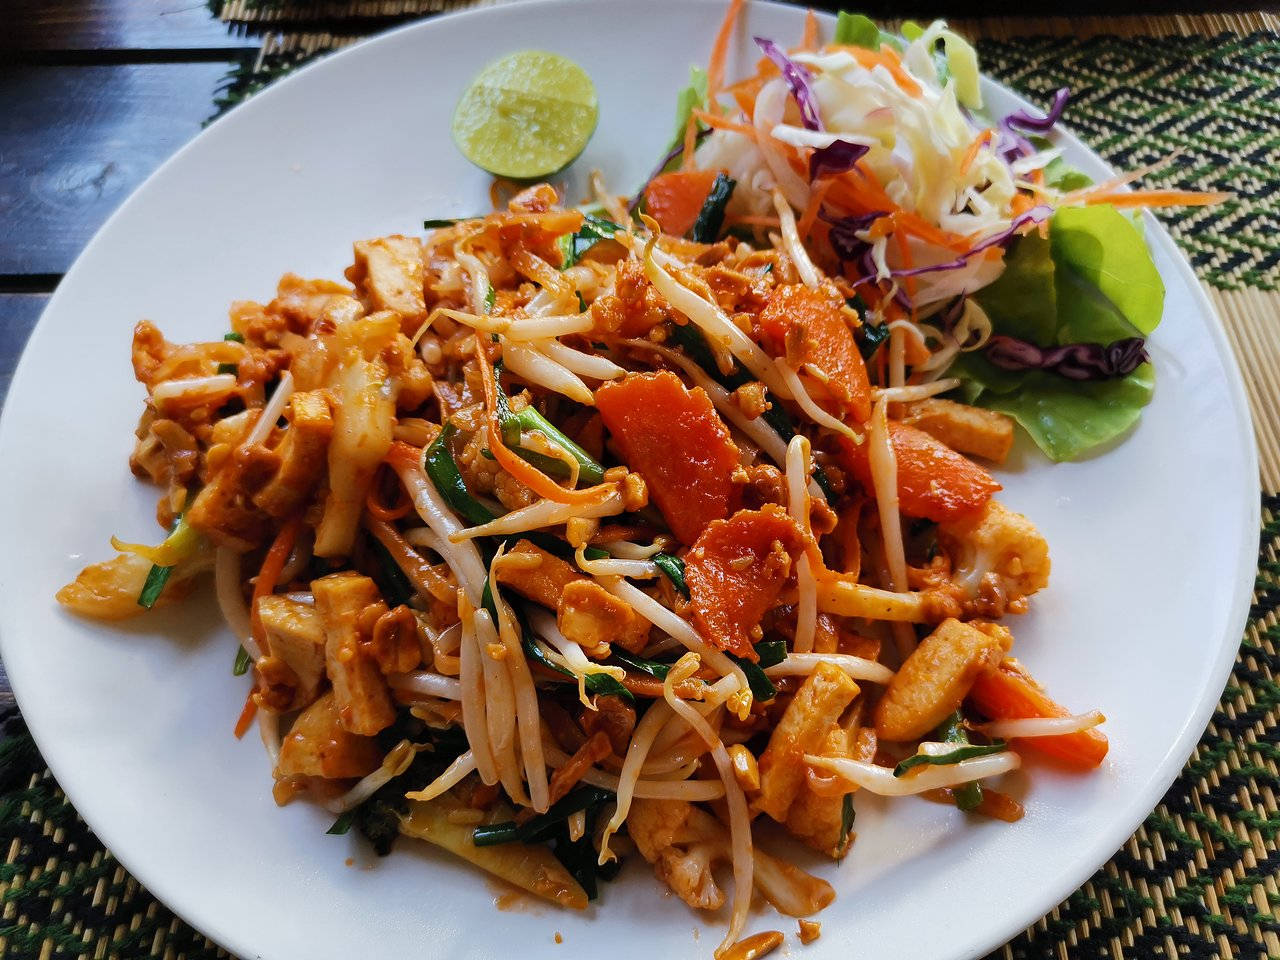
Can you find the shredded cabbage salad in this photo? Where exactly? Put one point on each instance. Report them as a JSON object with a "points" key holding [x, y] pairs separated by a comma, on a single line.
{"points": [[966, 233]]}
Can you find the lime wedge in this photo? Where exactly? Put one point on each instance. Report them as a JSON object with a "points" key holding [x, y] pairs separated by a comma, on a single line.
{"points": [[526, 116]]}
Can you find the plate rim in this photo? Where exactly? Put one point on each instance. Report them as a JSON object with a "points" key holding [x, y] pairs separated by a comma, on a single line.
{"points": [[1138, 807]]}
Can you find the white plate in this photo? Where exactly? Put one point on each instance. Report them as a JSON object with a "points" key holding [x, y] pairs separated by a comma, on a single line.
{"points": [[1153, 543]]}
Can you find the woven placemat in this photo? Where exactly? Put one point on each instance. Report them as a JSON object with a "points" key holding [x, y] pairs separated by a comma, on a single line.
{"points": [[1199, 878]]}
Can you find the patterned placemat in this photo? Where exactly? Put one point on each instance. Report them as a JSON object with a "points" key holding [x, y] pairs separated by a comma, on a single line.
{"points": [[1199, 878]]}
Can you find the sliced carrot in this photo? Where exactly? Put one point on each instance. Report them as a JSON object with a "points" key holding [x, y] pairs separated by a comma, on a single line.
{"points": [[933, 480], [245, 720], [1007, 693], [675, 199], [720, 50], [674, 438], [812, 324], [526, 473], [737, 570]]}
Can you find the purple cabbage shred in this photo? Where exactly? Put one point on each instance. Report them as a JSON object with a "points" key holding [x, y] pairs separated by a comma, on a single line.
{"points": [[1022, 120], [1075, 361], [837, 158], [797, 79]]}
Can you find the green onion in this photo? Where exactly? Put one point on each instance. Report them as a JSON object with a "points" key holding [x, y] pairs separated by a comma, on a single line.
{"points": [[952, 730], [600, 684], [230, 368], [342, 824], [654, 669], [395, 585], [489, 298], [847, 816], [593, 230], [443, 222], [181, 537], [513, 425], [443, 471], [711, 217], [540, 827], [582, 304], [242, 664], [233, 336], [770, 652], [673, 567], [157, 577], [944, 759]]}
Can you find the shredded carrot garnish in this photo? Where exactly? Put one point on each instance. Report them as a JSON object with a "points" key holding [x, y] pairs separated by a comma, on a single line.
{"points": [[888, 58], [720, 50], [386, 514], [690, 143], [724, 123], [810, 40], [816, 196], [245, 721], [904, 254], [525, 472], [1156, 198], [1020, 204], [269, 573], [971, 154]]}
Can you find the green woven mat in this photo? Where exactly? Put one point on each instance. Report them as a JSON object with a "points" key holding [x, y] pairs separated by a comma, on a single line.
{"points": [[1199, 878]]}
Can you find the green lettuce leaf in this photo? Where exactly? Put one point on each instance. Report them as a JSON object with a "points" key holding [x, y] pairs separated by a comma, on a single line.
{"points": [[855, 30], [1106, 249], [1068, 419], [1093, 280], [1022, 302], [689, 99]]}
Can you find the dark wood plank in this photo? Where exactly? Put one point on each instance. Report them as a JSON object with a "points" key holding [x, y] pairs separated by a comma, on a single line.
{"points": [[75, 140], [71, 25], [18, 314]]}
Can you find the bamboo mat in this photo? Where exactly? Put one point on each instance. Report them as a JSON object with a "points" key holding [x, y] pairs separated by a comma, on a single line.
{"points": [[1199, 879]]}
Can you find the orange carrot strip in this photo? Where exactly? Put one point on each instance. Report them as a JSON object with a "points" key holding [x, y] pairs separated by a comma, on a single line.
{"points": [[724, 123], [524, 472], [816, 196], [690, 143], [971, 154], [1007, 693], [810, 39], [885, 57], [1156, 198], [269, 573], [720, 50], [245, 719], [675, 199], [381, 511]]}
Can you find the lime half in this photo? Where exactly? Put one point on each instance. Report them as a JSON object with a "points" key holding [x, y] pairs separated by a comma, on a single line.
{"points": [[526, 116]]}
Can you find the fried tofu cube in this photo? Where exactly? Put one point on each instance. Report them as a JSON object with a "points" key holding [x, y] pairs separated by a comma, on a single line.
{"points": [[295, 635], [388, 272], [819, 820], [362, 695], [972, 430], [804, 727], [302, 455], [592, 617], [936, 678], [320, 746]]}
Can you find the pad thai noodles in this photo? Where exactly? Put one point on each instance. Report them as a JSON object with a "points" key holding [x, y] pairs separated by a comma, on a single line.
{"points": [[559, 536]]}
